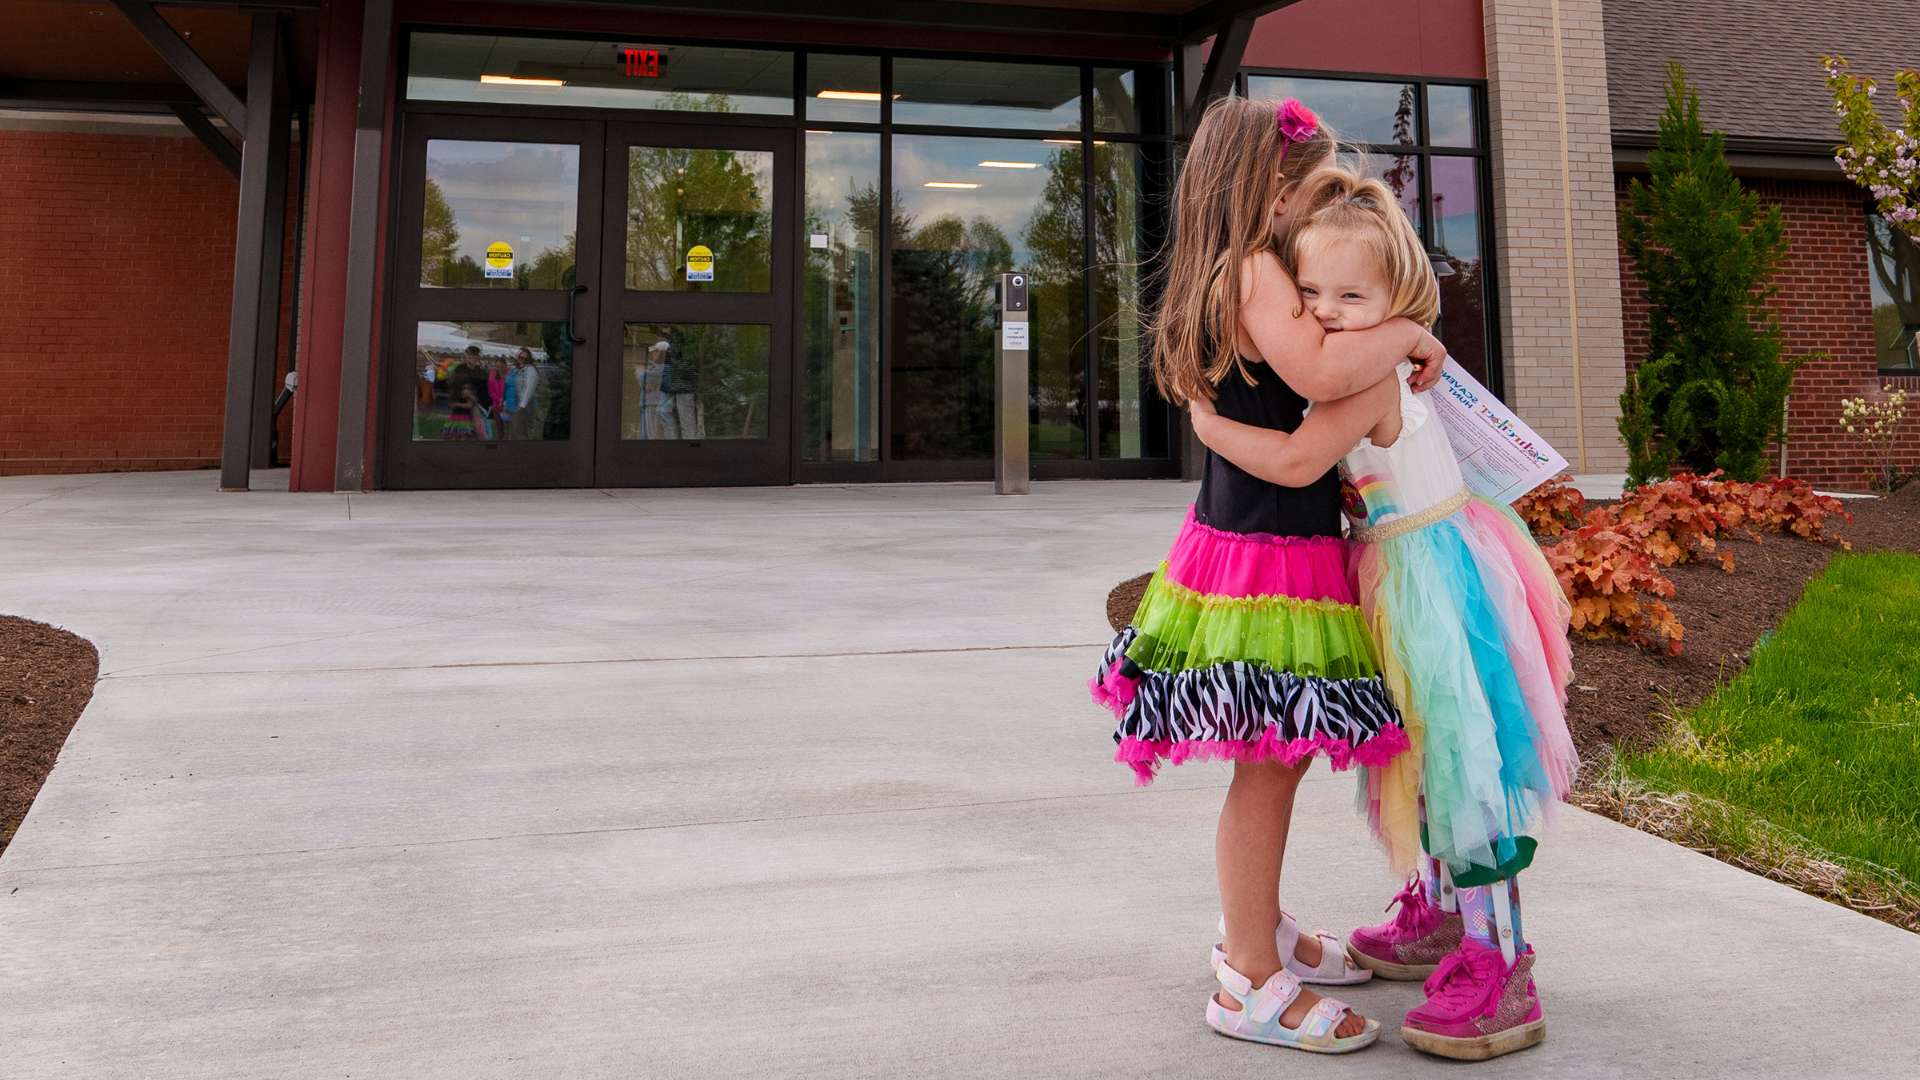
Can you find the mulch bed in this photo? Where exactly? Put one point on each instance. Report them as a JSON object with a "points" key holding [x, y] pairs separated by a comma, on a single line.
{"points": [[1623, 693], [46, 679]]}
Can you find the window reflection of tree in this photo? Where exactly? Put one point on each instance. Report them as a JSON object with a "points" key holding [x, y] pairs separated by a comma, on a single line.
{"points": [[942, 358], [839, 325], [678, 198], [1056, 236], [1132, 419], [1896, 269]]}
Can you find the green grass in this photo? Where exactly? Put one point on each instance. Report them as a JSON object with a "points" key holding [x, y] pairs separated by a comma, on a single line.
{"points": [[1821, 735]]}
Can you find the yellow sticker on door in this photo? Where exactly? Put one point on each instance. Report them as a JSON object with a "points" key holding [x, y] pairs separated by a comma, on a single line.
{"points": [[699, 263], [500, 259]]}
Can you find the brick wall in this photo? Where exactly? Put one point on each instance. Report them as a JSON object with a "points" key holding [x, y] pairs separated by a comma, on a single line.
{"points": [[1553, 208], [1825, 305], [116, 265]]}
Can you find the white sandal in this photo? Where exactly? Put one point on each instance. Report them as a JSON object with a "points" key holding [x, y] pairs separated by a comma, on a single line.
{"points": [[1336, 967], [1258, 1017]]}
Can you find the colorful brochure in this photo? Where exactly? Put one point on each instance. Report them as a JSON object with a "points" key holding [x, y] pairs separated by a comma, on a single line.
{"points": [[1500, 456]]}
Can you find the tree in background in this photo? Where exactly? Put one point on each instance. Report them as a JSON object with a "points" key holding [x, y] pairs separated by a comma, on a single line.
{"points": [[1713, 389], [1885, 162], [439, 238]]}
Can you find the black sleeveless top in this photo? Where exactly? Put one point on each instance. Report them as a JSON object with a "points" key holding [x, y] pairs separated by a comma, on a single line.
{"points": [[1234, 500]]}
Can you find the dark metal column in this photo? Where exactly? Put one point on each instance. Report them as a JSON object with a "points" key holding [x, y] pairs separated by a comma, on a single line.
{"points": [[254, 332], [363, 243]]}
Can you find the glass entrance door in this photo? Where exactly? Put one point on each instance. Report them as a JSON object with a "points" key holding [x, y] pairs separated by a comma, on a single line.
{"points": [[490, 368], [694, 385]]}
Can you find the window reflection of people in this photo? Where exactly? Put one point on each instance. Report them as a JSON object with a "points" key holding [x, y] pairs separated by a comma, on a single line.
{"points": [[523, 392], [497, 386], [670, 391], [466, 416]]}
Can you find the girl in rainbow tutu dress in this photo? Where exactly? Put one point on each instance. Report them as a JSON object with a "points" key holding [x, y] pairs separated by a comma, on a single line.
{"points": [[1471, 631]]}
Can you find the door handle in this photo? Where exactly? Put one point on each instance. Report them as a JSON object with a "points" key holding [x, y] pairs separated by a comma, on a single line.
{"points": [[573, 314]]}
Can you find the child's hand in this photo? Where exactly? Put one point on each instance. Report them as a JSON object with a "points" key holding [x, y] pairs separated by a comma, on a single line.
{"points": [[1204, 417], [1427, 357]]}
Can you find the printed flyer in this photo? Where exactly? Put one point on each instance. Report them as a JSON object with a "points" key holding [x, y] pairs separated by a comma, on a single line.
{"points": [[1499, 455]]}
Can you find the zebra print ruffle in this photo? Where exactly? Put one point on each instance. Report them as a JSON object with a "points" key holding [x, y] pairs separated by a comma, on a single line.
{"points": [[1240, 711]]}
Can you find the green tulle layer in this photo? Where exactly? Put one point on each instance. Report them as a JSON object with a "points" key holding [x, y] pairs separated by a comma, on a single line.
{"points": [[1181, 630]]}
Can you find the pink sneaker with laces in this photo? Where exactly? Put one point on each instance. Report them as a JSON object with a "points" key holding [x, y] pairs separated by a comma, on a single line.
{"points": [[1477, 1007], [1410, 945]]}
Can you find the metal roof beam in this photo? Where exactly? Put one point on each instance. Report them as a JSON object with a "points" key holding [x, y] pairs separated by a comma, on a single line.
{"points": [[1223, 65], [209, 136], [185, 62]]}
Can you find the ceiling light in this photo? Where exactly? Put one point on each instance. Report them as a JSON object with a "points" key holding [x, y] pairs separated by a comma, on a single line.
{"points": [[1074, 142], [508, 80], [1009, 164], [849, 95], [949, 184]]}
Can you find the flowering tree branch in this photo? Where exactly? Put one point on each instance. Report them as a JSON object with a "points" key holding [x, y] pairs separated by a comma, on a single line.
{"points": [[1885, 162]]}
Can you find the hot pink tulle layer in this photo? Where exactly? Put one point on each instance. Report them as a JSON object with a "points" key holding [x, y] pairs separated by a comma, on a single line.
{"points": [[1145, 756], [1209, 560]]}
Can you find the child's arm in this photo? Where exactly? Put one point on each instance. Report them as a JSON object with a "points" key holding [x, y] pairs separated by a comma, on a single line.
{"points": [[1300, 458], [1320, 366]]}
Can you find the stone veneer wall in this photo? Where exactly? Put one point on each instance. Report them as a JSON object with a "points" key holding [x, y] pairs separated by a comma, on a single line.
{"points": [[1541, 171]]}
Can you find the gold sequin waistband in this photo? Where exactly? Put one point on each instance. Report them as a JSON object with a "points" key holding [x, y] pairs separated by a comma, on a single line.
{"points": [[1401, 526]]}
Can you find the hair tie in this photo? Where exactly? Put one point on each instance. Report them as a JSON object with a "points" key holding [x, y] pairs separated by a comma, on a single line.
{"points": [[1296, 123]]}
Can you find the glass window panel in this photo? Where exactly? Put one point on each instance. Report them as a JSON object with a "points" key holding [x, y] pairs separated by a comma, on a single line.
{"points": [[1401, 174], [966, 210], [1896, 294], [492, 382], [1113, 102], [1133, 418], [840, 391], [1456, 237], [1360, 112], [1456, 206], [499, 215], [844, 88], [1450, 120], [699, 220], [598, 74], [694, 381], [978, 93]]}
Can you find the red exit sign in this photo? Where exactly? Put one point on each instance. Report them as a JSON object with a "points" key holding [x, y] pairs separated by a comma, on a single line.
{"points": [[641, 63]]}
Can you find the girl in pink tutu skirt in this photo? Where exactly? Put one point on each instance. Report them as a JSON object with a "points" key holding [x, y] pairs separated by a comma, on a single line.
{"points": [[1471, 631], [1249, 645]]}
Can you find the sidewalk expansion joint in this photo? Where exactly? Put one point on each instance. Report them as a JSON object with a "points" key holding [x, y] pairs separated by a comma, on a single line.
{"points": [[608, 660]]}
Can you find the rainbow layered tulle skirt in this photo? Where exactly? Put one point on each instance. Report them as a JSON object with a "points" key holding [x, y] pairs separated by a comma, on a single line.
{"points": [[1471, 628], [1248, 648]]}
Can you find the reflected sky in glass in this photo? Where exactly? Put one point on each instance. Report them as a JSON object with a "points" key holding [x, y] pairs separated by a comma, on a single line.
{"points": [[523, 194], [1450, 116], [1364, 112], [1456, 206]]}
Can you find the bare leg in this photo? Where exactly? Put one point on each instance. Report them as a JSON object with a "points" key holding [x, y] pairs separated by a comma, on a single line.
{"points": [[1247, 850]]}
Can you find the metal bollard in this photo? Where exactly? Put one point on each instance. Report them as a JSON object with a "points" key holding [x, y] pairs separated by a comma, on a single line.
{"points": [[1010, 352]]}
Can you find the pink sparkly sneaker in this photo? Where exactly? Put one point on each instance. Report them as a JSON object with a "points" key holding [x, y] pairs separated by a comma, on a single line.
{"points": [[1411, 945], [1477, 1007]]}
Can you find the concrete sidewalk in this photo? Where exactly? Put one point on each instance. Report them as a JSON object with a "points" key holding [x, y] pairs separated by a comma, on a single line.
{"points": [[768, 782]]}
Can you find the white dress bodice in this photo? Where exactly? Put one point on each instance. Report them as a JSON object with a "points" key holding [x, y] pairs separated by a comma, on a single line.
{"points": [[1418, 471]]}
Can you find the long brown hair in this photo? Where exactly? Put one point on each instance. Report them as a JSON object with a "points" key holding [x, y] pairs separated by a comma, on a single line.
{"points": [[1340, 204], [1237, 169]]}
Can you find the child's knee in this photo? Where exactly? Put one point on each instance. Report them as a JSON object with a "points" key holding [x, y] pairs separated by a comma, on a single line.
{"points": [[1270, 774]]}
